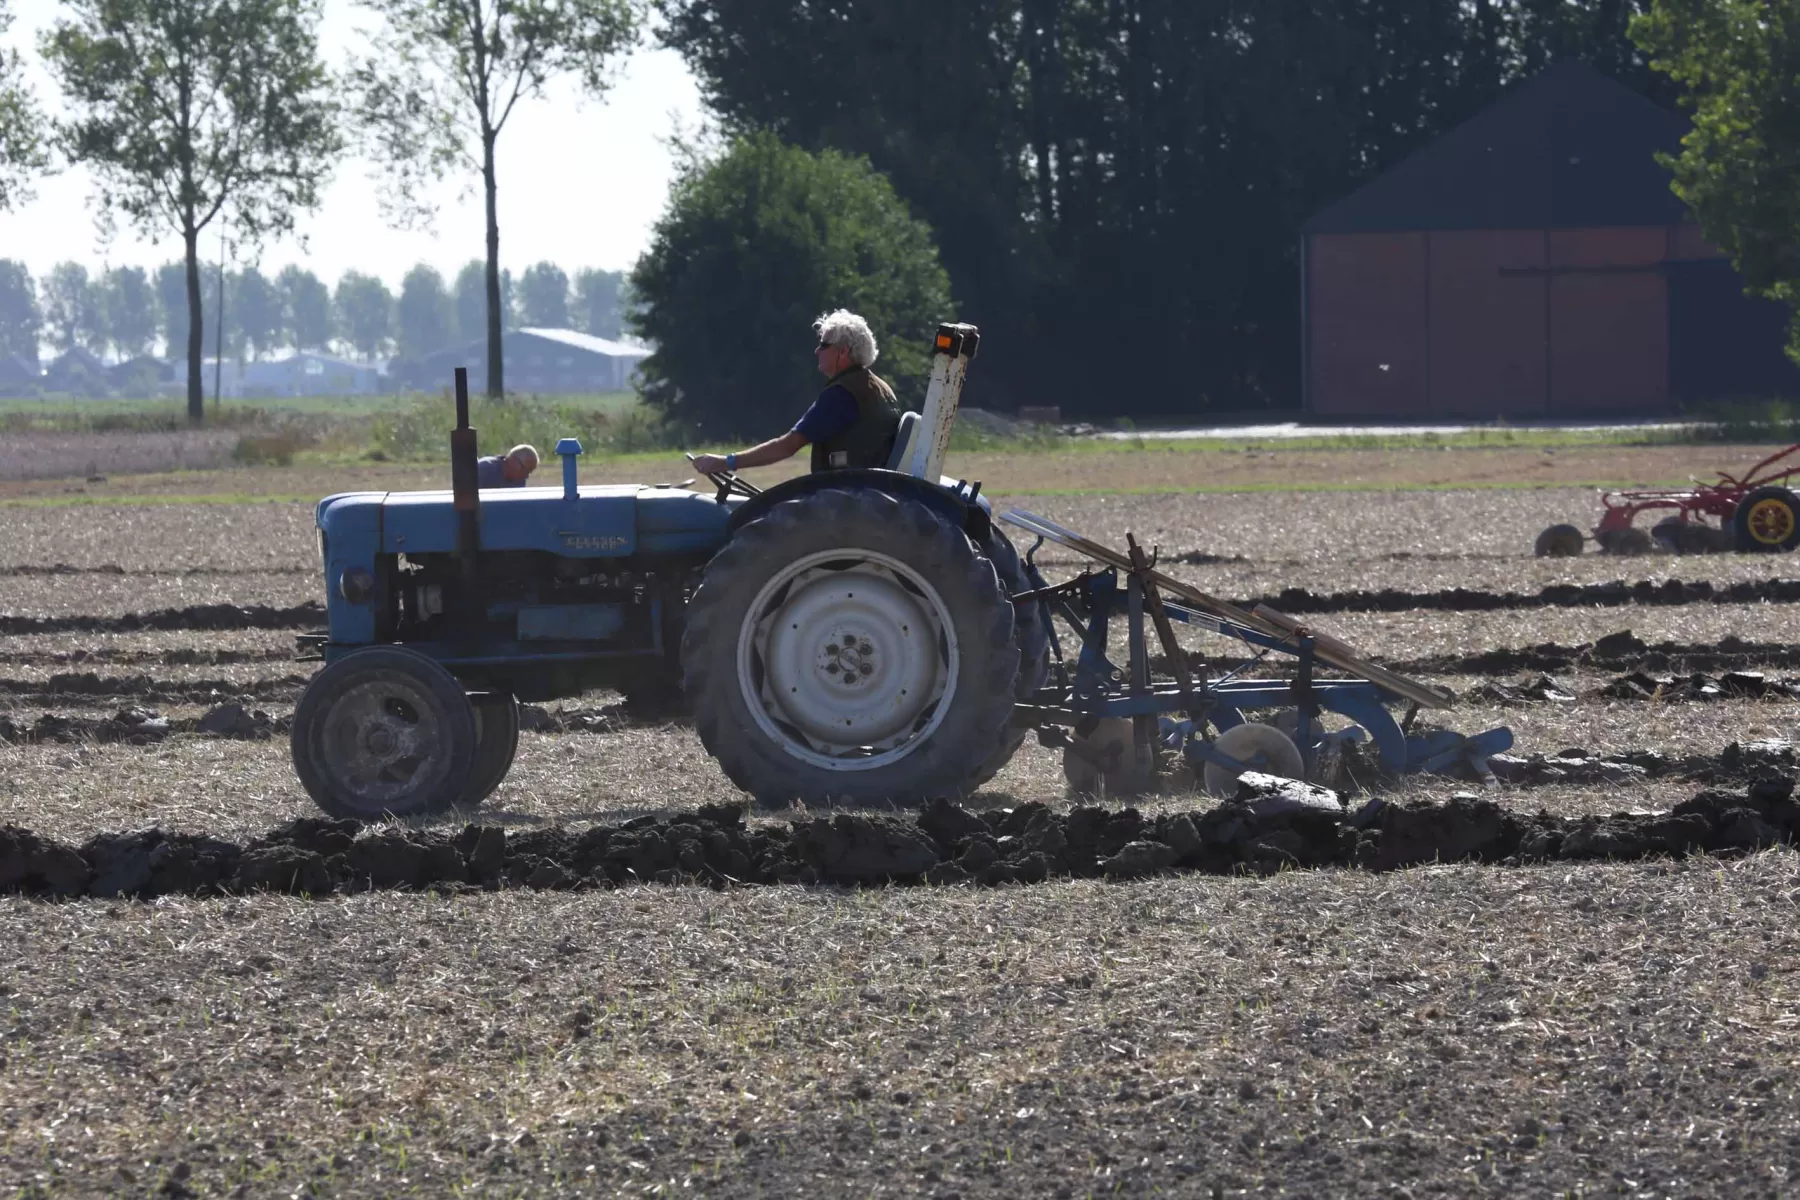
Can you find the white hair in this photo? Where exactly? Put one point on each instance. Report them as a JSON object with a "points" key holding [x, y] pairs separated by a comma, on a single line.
{"points": [[845, 328], [524, 451]]}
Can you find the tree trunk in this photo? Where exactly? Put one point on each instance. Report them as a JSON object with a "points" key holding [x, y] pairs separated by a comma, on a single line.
{"points": [[196, 347], [496, 378]]}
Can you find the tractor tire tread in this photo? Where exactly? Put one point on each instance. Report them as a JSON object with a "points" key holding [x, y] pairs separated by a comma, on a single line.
{"points": [[944, 554]]}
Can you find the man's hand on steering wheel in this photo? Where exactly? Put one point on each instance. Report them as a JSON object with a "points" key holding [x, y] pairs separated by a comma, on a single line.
{"points": [[710, 464]]}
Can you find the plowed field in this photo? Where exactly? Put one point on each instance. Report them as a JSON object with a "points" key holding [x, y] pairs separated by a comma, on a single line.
{"points": [[1596, 1012]]}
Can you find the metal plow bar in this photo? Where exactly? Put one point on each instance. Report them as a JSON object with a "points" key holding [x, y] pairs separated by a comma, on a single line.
{"points": [[1262, 620]]}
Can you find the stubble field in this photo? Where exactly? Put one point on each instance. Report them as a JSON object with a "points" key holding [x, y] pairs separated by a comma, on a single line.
{"points": [[1605, 1027]]}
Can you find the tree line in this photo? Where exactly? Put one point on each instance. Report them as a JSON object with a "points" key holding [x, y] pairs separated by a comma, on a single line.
{"points": [[193, 112], [1113, 188], [124, 312], [1117, 186]]}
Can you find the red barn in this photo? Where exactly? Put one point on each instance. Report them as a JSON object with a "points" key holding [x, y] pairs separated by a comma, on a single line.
{"points": [[1533, 263]]}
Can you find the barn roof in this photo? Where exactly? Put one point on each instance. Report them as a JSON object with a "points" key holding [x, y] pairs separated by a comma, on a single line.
{"points": [[1568, 148], [587, 342]]}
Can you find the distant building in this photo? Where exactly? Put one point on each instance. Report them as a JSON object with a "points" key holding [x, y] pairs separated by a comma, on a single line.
{"points": [[302, 374], [18, 377], [545, 361], [308, 374], [1531, 263], [145, 375], [77, 372]]}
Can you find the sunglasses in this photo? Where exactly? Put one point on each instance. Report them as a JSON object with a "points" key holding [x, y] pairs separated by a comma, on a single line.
{"points": [[823, 346]]}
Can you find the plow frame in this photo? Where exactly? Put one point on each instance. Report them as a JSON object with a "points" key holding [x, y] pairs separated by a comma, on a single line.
{"points": [[1177, 711], [1718, 499]]}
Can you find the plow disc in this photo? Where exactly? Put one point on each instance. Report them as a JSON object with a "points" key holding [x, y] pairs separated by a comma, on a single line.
{"points": [[1122, 715]]}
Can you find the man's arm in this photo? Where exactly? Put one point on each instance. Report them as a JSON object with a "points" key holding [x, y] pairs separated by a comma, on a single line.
{"points": [[830, 415], [762, 455]]}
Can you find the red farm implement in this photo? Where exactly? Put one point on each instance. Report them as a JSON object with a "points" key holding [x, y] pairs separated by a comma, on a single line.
{"points": [[1759, 513]]}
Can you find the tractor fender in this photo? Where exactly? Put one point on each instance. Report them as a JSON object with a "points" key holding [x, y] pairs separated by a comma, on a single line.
{"points": [[951, 502]]}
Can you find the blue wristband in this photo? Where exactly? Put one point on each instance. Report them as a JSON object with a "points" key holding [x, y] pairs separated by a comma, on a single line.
{"points": [[731, 462]]}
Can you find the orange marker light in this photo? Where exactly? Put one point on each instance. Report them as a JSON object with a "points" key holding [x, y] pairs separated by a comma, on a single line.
{"points": [[943, 342]]}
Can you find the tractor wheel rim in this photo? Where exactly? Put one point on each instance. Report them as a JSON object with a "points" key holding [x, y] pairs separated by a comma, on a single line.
{"points": [[1771, 521], [848, 660], [381, 741]]}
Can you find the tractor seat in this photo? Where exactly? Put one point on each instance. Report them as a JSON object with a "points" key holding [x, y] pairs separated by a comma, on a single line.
{"points": [[903, 441]]}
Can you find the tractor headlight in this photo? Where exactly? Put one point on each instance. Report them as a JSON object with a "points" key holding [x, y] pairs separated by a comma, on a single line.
{"points": [[356, 584]]}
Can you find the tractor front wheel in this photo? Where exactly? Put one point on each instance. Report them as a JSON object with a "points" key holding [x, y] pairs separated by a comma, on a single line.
{"points": [[496, 742], [851, 645], [384, 731], [1767, 521]]}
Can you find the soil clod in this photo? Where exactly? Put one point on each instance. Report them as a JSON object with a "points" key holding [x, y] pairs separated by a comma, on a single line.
{"points": [[1270, 825]]}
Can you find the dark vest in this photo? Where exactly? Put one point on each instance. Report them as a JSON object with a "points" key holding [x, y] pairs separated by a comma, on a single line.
{"points": [[868, 440]]}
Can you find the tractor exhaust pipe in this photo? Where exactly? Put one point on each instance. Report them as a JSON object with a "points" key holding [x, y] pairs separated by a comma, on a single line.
{"points": [[465, 491]]}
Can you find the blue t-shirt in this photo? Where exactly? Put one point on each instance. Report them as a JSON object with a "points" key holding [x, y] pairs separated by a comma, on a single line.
{"points": [[833, 412], [490, 472]]}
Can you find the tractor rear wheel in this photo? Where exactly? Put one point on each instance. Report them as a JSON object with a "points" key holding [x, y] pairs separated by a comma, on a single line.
{"points": [[1031, 625], [384, 731], [850, 645], [1559, 541], [496, 742], [1767, 521]]}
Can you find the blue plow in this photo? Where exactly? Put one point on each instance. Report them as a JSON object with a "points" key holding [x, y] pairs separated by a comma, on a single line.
{"points": [[1197, 701]]}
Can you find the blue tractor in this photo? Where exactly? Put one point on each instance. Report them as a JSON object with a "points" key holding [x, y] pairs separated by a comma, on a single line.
{"points": [[848, 635], [859, 635]]}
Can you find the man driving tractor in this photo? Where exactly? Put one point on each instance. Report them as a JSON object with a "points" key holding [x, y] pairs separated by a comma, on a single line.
{"points": [[853, 422]]}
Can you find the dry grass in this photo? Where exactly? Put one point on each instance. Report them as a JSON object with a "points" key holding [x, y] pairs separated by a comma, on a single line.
{"points": [[1454, 1030], [239, 789], [1423, 634], [51, 456], [1437, 1031], [116, 595], [149, 648], [172, 539], [1087, 468], [1418, 541]]}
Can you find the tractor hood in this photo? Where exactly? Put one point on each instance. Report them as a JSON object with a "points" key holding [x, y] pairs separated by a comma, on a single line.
{"points": [[600, 521]]}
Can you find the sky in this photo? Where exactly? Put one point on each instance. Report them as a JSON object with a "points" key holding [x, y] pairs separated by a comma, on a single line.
{"points": [[581, 181]]}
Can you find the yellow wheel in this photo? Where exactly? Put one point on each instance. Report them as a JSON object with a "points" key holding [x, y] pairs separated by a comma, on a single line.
{"points": [[1767, 521]]}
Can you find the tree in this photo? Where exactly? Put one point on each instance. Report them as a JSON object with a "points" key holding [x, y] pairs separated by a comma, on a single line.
{"points": [[1140, 164], [427, 320], [544, 297], [444, 78], [256, 306], [128, 310], [20, 319], [471, 302], [172, 298], [24, 151], [170, 282], [305, 308], [72, 309], [1739, 168], [190, 109], [754, 245], [364, 311], [598, 302]]}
